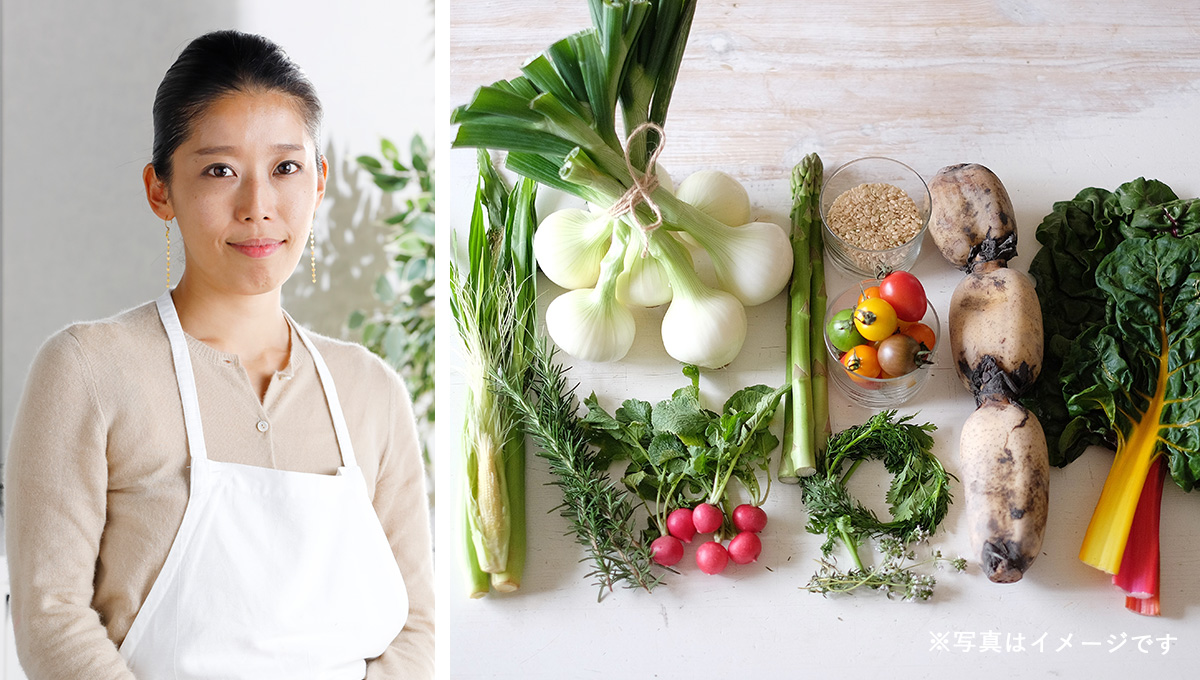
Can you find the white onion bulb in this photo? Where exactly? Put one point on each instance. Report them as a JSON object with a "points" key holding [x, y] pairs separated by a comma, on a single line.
{"points": [[570, 244], [590, 326]]}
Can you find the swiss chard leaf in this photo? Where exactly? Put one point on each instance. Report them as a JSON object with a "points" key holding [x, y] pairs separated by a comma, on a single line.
{"points": [[1116, 371], [1175, 218], [1076, 237]]}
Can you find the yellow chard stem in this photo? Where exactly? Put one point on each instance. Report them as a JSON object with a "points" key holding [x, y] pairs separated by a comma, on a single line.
{"points": [[1108, 531]]}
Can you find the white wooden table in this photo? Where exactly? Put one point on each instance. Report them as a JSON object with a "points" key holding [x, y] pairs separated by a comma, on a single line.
{"points": [[1053, 97]]}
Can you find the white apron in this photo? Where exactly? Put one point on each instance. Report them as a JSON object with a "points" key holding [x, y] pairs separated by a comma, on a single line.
{"points": [[273, 574]]}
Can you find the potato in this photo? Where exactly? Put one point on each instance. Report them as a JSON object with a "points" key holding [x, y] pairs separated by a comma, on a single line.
{"points": [[996, 331], [1005, 473], [971, 217]]}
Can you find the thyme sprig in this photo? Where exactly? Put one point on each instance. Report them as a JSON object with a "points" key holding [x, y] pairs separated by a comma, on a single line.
{"points": [[893, 576], [600, 512]]}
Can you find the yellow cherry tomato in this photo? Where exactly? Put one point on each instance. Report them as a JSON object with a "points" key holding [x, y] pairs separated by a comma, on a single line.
{"points": [[875, 319]]}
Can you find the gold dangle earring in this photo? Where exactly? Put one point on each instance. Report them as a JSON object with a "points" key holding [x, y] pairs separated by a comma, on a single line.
{"points": [[312, 243], [168, 225]]}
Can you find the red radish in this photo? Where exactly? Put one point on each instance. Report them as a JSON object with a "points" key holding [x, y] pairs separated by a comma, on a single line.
{"points": [[707, 518], [749, 518], [745, 548], [679, 524], [712, 557], [666, 550]]}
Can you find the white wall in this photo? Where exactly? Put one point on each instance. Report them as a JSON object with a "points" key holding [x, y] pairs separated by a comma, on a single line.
{"points": [[78, 240]]}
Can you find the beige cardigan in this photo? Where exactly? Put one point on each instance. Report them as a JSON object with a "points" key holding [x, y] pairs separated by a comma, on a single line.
{"points": [[96, 479]]}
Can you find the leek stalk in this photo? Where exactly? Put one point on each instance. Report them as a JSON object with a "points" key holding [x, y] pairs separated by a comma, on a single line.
{"points": [[493, 303]]}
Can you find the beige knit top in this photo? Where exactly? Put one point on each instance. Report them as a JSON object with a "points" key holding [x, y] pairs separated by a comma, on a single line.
{"points": [[97, 483]]}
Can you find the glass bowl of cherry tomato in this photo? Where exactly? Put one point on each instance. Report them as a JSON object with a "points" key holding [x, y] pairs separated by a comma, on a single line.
{"points": [[881, 336]]}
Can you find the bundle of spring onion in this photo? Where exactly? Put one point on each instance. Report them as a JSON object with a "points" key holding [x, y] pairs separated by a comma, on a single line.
{"points": [[493, 303], [806, 426], [558, 123]]}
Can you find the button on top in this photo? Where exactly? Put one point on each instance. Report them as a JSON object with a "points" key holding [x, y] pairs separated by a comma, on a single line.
{"points": [[262, 426]]}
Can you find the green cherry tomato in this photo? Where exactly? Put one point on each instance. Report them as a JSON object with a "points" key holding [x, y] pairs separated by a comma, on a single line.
{"points": [[842, 333]]}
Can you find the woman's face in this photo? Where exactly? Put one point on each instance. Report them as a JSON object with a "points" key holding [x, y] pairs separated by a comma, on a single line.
{"points": [[244, 188]]}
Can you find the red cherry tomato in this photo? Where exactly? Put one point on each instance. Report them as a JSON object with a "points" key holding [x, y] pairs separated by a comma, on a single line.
{"points": [[905, 294]]}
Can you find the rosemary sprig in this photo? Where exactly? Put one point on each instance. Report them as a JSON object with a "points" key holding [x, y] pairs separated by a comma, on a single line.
{"points": [[600, 512]]}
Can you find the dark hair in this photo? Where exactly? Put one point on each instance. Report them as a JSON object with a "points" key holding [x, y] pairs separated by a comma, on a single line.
{"points": [[216, 64]]}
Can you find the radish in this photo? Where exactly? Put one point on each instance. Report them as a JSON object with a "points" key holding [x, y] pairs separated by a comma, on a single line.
{"points": [[666, 550], [749, 518], [707, 518], [680, 524], [712, 557], [745, 547]]}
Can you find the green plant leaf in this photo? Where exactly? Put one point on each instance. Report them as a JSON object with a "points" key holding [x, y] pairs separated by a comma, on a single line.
{"points": [[664, 448], [383, 289], [389, 150], [423, 224], [418, 148], [394, 342], [683, 417], [388, 182], [369, 162]]}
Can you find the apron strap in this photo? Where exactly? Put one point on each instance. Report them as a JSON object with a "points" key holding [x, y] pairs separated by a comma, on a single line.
{"points": [[331, 398], [183, 374]]}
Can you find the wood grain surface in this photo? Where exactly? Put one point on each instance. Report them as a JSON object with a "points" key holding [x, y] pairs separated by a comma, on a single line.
{"points": [[1052, 96]]}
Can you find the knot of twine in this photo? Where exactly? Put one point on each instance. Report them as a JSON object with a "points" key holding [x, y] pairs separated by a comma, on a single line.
{"points": [[643, 185]]}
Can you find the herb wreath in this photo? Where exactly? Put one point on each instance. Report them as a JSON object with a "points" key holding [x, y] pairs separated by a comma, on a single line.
{"points": [[918, 498]]}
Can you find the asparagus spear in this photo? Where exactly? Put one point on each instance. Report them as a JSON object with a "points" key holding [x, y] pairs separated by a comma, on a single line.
{"points": [[804, 411], [822, 428]]}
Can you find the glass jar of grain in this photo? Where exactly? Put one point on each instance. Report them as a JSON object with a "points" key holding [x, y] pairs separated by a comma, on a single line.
{"points": [[874, 214]]}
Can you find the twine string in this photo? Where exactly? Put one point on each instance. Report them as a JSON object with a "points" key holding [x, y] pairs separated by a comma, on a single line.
{"points": [[644, 184]]}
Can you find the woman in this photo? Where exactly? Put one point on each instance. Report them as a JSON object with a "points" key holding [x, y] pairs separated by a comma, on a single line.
{"points": [[197, 487]]}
